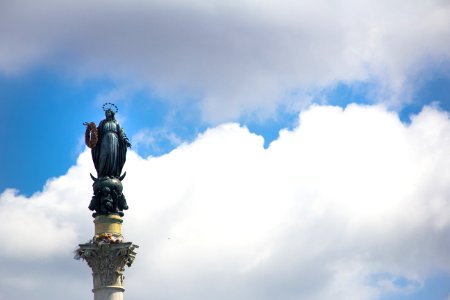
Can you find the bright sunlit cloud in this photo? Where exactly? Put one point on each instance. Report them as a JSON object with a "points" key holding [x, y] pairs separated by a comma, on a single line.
{"points": [[344, 206]]}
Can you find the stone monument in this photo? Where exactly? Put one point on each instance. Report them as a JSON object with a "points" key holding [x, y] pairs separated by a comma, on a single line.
{"points": [[107, 253]]}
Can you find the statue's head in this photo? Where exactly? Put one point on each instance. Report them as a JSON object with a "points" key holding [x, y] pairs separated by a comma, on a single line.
{"points": [[110, 110], [109, 114]]}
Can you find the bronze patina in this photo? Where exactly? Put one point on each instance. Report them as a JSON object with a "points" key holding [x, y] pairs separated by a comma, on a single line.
{"points": [[108, 143]]}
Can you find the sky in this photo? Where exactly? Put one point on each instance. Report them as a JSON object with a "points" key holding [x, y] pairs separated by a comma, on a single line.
{"points": [[280, 149]]}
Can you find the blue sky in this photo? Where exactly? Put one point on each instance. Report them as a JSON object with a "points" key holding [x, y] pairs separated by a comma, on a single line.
{"points": [[47, 109], [291, 103]]}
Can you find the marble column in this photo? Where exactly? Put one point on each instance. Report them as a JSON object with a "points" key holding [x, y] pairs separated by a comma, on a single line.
{"points": [[107, 255]]}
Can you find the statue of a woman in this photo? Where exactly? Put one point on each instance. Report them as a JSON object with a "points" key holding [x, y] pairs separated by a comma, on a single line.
{"points": [[108, 145], [109, 154]]}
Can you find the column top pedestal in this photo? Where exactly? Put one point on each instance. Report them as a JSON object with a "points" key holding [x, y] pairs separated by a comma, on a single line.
{"points": [[111, 224]]}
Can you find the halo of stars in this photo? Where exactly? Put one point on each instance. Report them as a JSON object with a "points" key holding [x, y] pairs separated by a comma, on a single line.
{"points": [[110, 106]]}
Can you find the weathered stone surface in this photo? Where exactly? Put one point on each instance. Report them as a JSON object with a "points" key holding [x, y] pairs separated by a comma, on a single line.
{"points": [[107, 261], [108, 294], [111, 223]]}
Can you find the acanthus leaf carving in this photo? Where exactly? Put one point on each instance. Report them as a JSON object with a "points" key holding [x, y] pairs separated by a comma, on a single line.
{"points": [[107, 261]]}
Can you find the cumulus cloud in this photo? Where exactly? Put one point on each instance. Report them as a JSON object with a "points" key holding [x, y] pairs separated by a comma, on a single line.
{"points": [[234, 56], [345, 206], [153, 139]]}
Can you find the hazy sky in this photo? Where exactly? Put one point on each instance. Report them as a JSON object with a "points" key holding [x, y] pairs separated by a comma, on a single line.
{"points": [[282, 150]]}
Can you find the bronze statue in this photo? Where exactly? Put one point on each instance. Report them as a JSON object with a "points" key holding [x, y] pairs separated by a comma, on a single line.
{"points": [[109, 145]]}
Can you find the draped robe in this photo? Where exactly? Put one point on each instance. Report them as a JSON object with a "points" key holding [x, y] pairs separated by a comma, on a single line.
{"points": [[110, 152]]}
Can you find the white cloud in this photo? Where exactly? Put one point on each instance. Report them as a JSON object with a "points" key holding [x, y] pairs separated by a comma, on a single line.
{"points": [[236, 56], [152, 139], [339, 208]]}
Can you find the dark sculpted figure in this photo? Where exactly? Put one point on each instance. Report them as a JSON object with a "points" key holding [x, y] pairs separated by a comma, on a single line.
{"points": [[109, 154], [109, 148]]}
